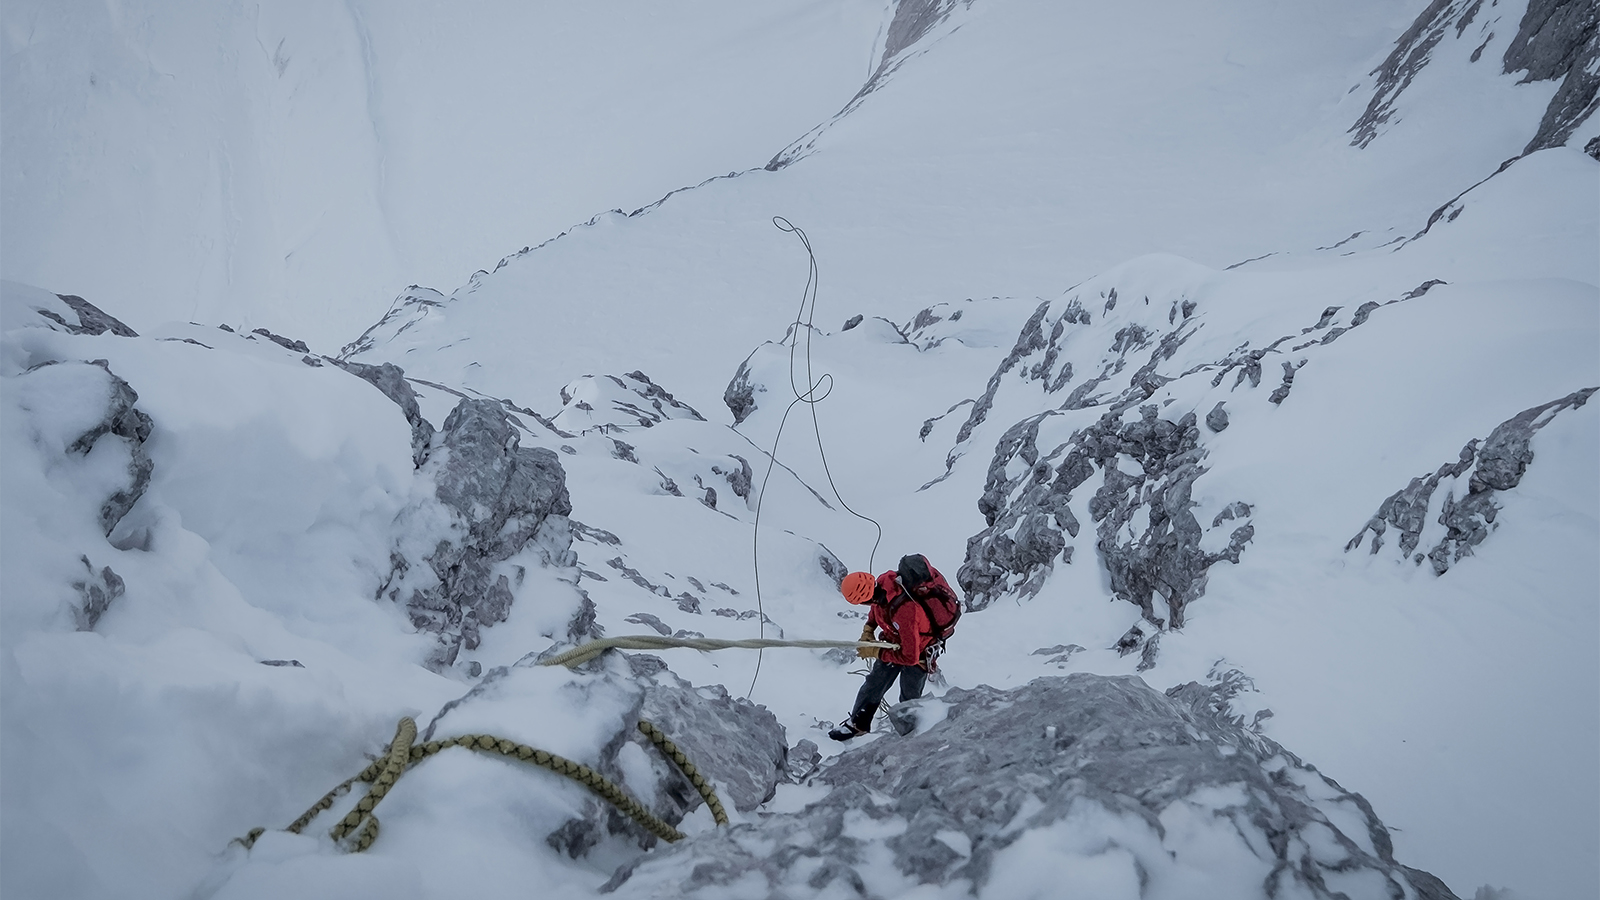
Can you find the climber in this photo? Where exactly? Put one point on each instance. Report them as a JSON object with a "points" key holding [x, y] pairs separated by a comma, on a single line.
{"points": [[913, 607]]}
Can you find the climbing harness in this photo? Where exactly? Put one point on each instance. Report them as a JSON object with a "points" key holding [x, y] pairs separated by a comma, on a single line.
{"points": [[404, 752], [807, 311]]}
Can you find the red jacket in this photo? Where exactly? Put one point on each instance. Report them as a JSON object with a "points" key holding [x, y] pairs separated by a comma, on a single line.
{"points": [[901, 621]]}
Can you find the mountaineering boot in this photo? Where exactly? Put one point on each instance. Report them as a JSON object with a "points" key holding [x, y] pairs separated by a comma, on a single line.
{"points": [[845, 730], [855, 726]]}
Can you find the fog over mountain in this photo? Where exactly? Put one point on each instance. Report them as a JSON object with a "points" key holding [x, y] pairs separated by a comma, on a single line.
{"points": [[1232, 360]]}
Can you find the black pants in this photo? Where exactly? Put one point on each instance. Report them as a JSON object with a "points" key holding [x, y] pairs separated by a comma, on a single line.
{"points": [[912, 681]]}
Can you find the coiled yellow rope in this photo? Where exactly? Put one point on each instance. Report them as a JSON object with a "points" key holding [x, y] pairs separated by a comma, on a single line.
{"points": [[383, 773], [403, 751], [671, 751]]}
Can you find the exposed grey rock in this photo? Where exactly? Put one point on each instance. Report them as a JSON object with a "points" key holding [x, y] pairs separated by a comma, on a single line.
{"points": [[1029, 515], [853, 321], [1411, 53], [651, 621], [632, 400], [667, 484], [97, 590], [1004, 763], [413, 304], [1422, 288], [740, 395], [1060, 654], [504, 496], [391, 380], [281, 341], [594, 535], [739, 479], [1029, 340], [1559, 40], [1593, 147], [738, 744], [913, 20], [283, 663], [831, 565], [804, 758], [1217, 419], [1497, 463], [120, 420], [1281, 393], [91, 319], [637, 577]]}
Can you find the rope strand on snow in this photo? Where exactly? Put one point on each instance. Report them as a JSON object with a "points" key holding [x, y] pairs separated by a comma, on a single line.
{"points": [[403, 752], [581, 654], [807, 311]]}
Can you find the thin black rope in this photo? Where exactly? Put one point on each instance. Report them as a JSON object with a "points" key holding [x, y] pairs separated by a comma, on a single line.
{"points": [[810, 396]]}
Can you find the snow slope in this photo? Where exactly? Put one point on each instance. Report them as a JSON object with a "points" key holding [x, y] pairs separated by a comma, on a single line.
{"points": [[1040, 210], [293, 165]]}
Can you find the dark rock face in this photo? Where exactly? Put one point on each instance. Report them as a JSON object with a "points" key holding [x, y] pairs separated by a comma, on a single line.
{"points": [[1559, 39], [1031, 522], [91, 319], [133, 426], [1029, 340], [946, 804], [281, 341], [414, 304], [1497, 463], [98, 590], [391, 379], [503, 496], [1217, 419], [738, 479], [740, 395], [1411, 53], [1147, 537]]}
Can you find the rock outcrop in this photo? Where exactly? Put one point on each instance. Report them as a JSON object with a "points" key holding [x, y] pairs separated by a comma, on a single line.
{"points": [[1496, 463], [97, 591], [500, 496], [740, 395], [1559, 40], [1556, 40], [391, 379], [1075, 774], [1142, 472], [91, 319]]}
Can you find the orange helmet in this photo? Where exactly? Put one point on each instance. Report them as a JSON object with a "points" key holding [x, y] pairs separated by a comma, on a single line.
{"points": [[857, 587]]}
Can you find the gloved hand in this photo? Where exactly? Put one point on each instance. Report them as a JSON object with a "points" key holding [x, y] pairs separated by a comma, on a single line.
{"points": [[867, 652]]}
